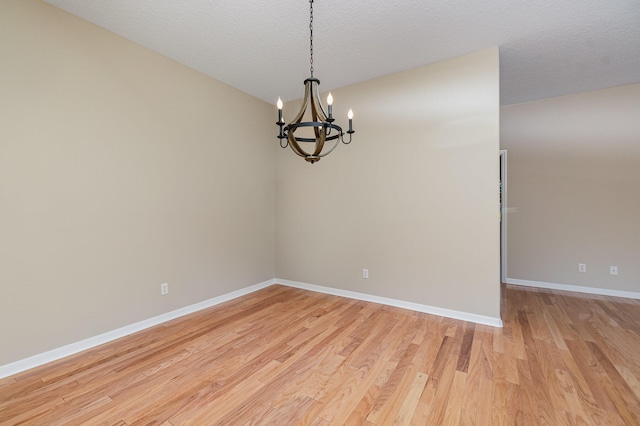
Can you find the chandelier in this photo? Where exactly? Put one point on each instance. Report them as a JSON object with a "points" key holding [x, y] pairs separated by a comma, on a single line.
{"points": [[326, 135]]}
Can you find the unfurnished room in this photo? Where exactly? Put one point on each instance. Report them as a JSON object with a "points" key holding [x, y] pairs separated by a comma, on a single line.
{"points": [[319, 212]]}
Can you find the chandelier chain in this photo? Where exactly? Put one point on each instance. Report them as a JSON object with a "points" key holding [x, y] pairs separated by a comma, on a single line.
{"points": [[311, 36]]}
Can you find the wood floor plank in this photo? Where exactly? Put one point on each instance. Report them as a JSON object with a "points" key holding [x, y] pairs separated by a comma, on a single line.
{"points": [[484, 414], [442, 391], [454, 405], [411, 401], [499, 392], [392, 388], [632, 381], [472, 386], [359, 414], [289, 356]]}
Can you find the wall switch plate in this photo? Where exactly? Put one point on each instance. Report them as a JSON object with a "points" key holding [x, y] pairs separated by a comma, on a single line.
{"points": [[365, 273], [613, 270], [582, 267], [164, 288]]}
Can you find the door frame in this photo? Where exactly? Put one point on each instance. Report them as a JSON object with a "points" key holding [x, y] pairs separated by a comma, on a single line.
{"points": [[503, 216]]}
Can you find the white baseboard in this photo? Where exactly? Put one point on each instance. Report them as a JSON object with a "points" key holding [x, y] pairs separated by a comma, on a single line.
{"points": [[73, 348], [464, 316], [574, 288], [83, 345]]}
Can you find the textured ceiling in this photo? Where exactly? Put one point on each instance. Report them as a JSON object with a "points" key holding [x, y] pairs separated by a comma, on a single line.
{"points": [[547, 47]]}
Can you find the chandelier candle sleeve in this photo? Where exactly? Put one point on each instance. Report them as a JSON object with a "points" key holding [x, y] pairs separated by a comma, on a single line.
{"points": [[330, 103]]}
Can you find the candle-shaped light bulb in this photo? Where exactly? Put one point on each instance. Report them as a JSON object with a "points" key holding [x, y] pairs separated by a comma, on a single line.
{"points": [[350, 115], [330, 103], [279, 104]]}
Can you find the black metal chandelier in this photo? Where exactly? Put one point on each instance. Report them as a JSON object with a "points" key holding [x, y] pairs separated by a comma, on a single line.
{"points": [[324, 129]]}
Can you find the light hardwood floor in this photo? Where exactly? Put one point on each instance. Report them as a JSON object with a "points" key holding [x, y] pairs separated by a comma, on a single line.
{"points": [[284, 356]]}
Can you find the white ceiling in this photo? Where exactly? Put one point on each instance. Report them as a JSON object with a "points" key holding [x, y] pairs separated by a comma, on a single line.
{"points": [[547, 47]]}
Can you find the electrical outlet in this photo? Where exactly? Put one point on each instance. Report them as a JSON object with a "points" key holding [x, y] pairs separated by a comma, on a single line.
{"points": [[582, 267], [365, 273], [613, 270], [164, 288]]}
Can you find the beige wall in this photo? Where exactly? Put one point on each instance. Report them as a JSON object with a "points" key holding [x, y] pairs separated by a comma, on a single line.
{"points": [[574, 188], [120, 170], [414, 198]]}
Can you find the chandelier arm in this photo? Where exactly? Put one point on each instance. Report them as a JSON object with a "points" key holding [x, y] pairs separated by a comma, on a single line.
{"points": [[330, 128], [342, 138], [293, 143], [317, 115], [316, 106], [317, 129], [303, 107], [319, 142], [292, 127], [305, 102]]}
